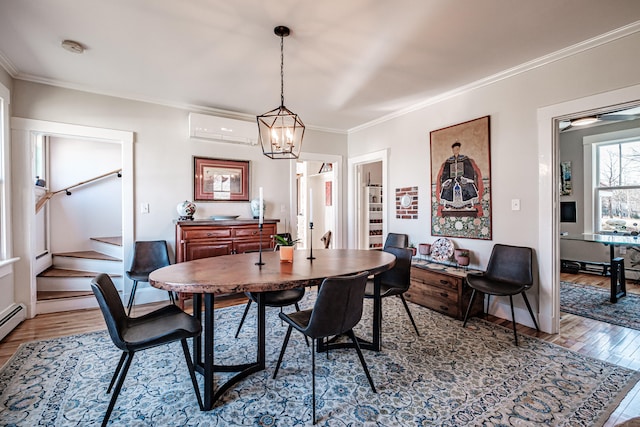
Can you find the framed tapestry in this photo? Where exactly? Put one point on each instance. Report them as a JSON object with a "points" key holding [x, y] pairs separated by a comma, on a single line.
{"points": [[220, 180], [461, 180]]}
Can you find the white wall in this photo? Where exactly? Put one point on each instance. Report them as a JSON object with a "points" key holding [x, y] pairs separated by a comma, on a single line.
{"points": [[164, 153], [512, 104], [93, 210]]}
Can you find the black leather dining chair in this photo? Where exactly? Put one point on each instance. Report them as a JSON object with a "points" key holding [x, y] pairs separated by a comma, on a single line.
{"points": [[133, 334], [338, 308], [279, 299], [509, 272], [395, 281], [148, 256], [396, 240]]}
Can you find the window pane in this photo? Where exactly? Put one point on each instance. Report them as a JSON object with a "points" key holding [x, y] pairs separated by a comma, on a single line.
{"points": [[630, 163], [609, 165], [619, 210]]}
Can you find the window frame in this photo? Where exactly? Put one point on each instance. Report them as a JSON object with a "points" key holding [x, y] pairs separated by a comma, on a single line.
{"points": [[591, 143]]}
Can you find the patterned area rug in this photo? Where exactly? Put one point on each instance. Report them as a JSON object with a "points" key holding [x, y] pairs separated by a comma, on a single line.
{"points": [[449, 376], [592, 302]]}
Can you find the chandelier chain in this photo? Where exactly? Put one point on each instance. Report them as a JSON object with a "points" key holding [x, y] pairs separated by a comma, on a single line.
{"points": [[282, 71]]}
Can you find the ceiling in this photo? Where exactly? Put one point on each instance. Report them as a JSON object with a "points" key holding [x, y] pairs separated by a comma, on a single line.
{"points": [[346, 63]]}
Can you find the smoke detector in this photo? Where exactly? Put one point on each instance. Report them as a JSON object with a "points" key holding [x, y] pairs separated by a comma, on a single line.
{"points": [[72, 46]]}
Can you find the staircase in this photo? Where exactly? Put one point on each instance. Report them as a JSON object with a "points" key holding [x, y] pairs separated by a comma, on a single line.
{"points": [[66, 285]]}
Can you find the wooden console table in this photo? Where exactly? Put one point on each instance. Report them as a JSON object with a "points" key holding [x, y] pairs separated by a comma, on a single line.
{"points": [[442, 288], [208, 238]]}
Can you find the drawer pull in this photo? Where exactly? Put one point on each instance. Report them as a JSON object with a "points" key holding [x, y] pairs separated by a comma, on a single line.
{"points": [[209, 234], [444, 294], [444, 282], [444, 308]]}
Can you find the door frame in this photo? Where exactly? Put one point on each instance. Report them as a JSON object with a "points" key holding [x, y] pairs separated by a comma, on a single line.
{"points": [[23, 137], [355, 193], [336, 195], [549, 193]]}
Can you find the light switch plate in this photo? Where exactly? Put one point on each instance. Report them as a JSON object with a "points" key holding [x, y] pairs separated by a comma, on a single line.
{"points": [[144, 208], [515, 204]]}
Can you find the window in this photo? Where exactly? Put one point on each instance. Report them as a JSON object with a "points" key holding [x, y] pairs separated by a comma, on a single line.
{"points": [[617, 186]]}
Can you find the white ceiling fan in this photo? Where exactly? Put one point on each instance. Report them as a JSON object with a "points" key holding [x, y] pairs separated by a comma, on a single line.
{"points": [[597, 119]]}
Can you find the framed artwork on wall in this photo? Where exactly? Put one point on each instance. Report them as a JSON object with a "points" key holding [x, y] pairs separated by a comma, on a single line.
{"points": [[565, 179], [461, 180], [220, 180]]}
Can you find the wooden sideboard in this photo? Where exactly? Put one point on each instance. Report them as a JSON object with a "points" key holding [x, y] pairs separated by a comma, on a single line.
{"points": [[207, 238], [443, 288]]}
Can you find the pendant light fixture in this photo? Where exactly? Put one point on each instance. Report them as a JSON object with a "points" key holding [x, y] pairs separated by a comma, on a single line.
{"points": [[280, 130]]}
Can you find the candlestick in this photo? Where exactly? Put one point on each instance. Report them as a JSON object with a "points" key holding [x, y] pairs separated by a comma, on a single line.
{"points": [[261, 217], [311, 257], [260, 263], [311, 205]]}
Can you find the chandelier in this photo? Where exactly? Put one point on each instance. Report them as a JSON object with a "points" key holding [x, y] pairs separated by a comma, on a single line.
{"points": [[280, 130]]}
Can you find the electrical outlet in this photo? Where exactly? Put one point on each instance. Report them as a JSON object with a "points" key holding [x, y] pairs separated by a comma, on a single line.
{"points": [[515, 204], [144, 208]]}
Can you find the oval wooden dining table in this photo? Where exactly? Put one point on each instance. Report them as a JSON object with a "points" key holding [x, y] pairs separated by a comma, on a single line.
{"points": [[228, 274]]}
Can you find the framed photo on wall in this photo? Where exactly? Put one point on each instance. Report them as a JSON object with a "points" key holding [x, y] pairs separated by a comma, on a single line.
{"points": [[220, 180], [461, 180]]}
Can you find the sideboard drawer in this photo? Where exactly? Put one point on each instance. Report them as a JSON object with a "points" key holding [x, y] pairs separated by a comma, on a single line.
{"points": [[435, 278], [443, 289], [189, 233], [249, 232], [434, 298]]}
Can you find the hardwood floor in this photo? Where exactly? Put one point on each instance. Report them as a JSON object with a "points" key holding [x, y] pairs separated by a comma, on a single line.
{"points": [[600, 340]]}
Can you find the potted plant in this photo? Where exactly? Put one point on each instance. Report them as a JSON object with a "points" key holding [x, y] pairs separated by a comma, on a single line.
{"points": [[462, 257], [424, 248], [412, 246], [285, 246]]}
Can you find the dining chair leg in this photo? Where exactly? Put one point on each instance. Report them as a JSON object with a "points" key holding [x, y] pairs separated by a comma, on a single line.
{"points": [[171, 298], [466, 315], [313, 378], [306, 338], [115, 374], [244, 316], [361, 357], [526, 301], [116, 392], [284, 347], [513, 319], [192, 373], [131, 297], [406, 307]]}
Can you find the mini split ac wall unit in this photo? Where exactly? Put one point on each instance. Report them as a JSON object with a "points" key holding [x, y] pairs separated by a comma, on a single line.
{"points": [[213, 128]]}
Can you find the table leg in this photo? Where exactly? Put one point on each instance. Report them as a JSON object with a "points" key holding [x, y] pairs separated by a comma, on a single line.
{"points": [[208, 334], [377, 318], [618, 280], [208, 367]]}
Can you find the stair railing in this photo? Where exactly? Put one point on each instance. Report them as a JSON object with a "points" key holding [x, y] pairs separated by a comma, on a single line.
{"points": [[49, 194]]}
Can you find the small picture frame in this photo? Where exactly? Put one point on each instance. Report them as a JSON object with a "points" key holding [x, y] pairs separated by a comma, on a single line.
{"points": [[220, 180]]}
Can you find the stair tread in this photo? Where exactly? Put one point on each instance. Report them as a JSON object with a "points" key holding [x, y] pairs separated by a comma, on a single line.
{"points": [[63, 272], [88, 255], [51, 295], [115, 240]]}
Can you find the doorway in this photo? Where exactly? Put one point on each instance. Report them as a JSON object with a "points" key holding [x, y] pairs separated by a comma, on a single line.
{"points": [[367, 207], [548, 194], [317, 198], [25, 133]]}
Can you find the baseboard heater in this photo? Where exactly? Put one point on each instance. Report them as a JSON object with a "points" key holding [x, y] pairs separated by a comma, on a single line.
{"points": [[11, 318]]}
